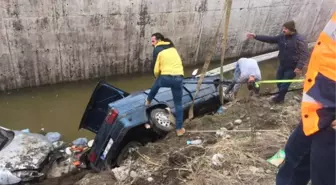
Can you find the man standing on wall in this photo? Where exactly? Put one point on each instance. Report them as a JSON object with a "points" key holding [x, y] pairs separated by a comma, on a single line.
{"points": [[310, 150], [293, 55], [168, 71]]}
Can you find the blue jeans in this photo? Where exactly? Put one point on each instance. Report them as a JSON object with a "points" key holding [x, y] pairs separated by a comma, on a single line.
{"points": [[235, 86], [284, 73], [309, 158], [176, 85]]}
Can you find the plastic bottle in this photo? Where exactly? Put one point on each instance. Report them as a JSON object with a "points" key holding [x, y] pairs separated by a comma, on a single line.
{"points": [[194, 142]]}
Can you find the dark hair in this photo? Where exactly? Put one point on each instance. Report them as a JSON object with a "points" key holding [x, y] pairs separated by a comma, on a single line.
{"points": [[159, 36], [290, 25]]}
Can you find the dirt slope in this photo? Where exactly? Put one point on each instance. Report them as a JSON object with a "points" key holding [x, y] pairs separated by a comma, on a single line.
{"points": [[243, 150], [243, 147]]}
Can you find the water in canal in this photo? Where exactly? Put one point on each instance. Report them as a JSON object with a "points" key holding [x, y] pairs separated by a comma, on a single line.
{"points": [[59, 108]]}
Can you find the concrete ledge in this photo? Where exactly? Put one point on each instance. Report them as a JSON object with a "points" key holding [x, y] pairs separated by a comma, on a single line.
{"points": [[259, 58]]}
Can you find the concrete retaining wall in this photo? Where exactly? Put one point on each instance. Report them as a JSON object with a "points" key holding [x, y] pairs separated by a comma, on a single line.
{"points": [[51, 41]]}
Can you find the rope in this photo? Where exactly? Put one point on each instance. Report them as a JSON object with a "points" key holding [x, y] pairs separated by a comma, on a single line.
{"points": [[212, 131], [278, 81], [270, 94], [204, 70], [257, 83]]}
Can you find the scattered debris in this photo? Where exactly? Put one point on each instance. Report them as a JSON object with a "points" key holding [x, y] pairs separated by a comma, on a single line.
{"points": [[60, 168], [80, 142], [25, 130], [238, 122], [58, 145], [53, 136], [121, 173], [150, 179], [220, 159], [278, 158], [221, 110], [194, 142], [217, 160]]}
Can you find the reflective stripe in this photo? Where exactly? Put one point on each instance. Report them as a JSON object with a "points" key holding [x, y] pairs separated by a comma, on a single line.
{"points": [[322, 62], [307, 98], [330, 29]]}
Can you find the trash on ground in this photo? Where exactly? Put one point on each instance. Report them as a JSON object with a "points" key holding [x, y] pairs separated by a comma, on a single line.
{"points": [[217, 160], [60, 168], [121, 173], [77, 149], [68, 151], [221, 110], [53, 136], [194, 142], [220, 133], [25, 130], [58, 145], [80, 142], [278, 158], [6, 177], [90, 143]]}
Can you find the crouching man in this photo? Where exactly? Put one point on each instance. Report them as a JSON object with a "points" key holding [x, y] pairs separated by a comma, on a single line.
{"points": [[246, 71]]}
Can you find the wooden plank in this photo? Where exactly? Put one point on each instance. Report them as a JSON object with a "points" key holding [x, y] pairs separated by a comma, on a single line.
{"points": [[259, 58]]}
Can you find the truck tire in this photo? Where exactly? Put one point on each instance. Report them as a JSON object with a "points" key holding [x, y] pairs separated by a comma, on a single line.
{"points": [[161, 120], [127, 152]]}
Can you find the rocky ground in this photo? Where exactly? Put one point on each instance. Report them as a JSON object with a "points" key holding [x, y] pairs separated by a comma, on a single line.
{"points": [[251, 131]]}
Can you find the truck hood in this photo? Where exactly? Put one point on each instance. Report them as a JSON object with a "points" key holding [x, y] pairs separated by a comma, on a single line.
{"points": [[27, 151]]}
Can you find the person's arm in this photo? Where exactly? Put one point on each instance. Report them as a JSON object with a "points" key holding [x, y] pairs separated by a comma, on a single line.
{"points": [[156, 68], [302, 52], [268, 39], [236, 80]]}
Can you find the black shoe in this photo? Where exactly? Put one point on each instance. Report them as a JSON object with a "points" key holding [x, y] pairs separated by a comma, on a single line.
{"points": [[277, 100]]}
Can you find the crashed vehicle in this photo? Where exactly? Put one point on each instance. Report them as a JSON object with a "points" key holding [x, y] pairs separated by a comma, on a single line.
{"points": [[23, 156], [120, 120]]}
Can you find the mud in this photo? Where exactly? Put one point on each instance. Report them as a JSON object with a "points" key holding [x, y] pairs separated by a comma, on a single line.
{"points": [[68, 179]]}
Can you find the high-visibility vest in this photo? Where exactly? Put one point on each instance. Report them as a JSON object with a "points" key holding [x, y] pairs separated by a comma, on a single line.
{"points": [[318, 102]]}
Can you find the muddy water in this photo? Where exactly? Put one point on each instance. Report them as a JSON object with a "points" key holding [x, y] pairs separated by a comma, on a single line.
{"points": [[60, 107]]}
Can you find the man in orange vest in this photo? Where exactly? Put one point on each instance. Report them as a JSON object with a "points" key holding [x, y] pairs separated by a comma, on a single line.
{"points": [[310, 150]]}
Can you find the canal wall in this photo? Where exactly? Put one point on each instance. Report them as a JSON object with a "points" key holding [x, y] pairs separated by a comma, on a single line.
{"points": [[52, 41]]}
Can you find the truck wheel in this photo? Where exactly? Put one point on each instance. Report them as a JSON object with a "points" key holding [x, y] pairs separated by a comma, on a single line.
{"points": [[127, 152], [161, 120]]}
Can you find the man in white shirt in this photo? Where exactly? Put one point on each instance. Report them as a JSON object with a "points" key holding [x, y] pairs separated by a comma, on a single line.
{"points": [[246, 71]]}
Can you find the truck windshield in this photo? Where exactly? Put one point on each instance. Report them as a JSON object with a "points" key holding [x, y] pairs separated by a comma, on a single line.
{"points": [[5, 137]]}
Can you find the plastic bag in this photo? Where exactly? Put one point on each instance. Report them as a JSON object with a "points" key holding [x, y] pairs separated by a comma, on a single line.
{"points": [[278, 158], [25, 130], [53, 136], [80, 142], [6, 177]]}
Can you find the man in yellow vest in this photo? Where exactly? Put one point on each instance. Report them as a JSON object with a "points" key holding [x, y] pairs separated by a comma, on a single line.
{"points": [[168, 71], [310, 150]]}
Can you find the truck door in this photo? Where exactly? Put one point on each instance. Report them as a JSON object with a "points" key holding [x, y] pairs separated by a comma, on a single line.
{"points": [[97, 107]]}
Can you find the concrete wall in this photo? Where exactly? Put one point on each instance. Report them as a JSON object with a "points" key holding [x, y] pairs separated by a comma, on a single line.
{"points": [[51, 41]]}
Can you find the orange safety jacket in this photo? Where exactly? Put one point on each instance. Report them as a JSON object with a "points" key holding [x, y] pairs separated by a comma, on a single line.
{"points": [[318, 102]]}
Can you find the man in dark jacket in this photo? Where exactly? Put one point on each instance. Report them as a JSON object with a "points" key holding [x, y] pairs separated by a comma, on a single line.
{"points": [[293, 55]]}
